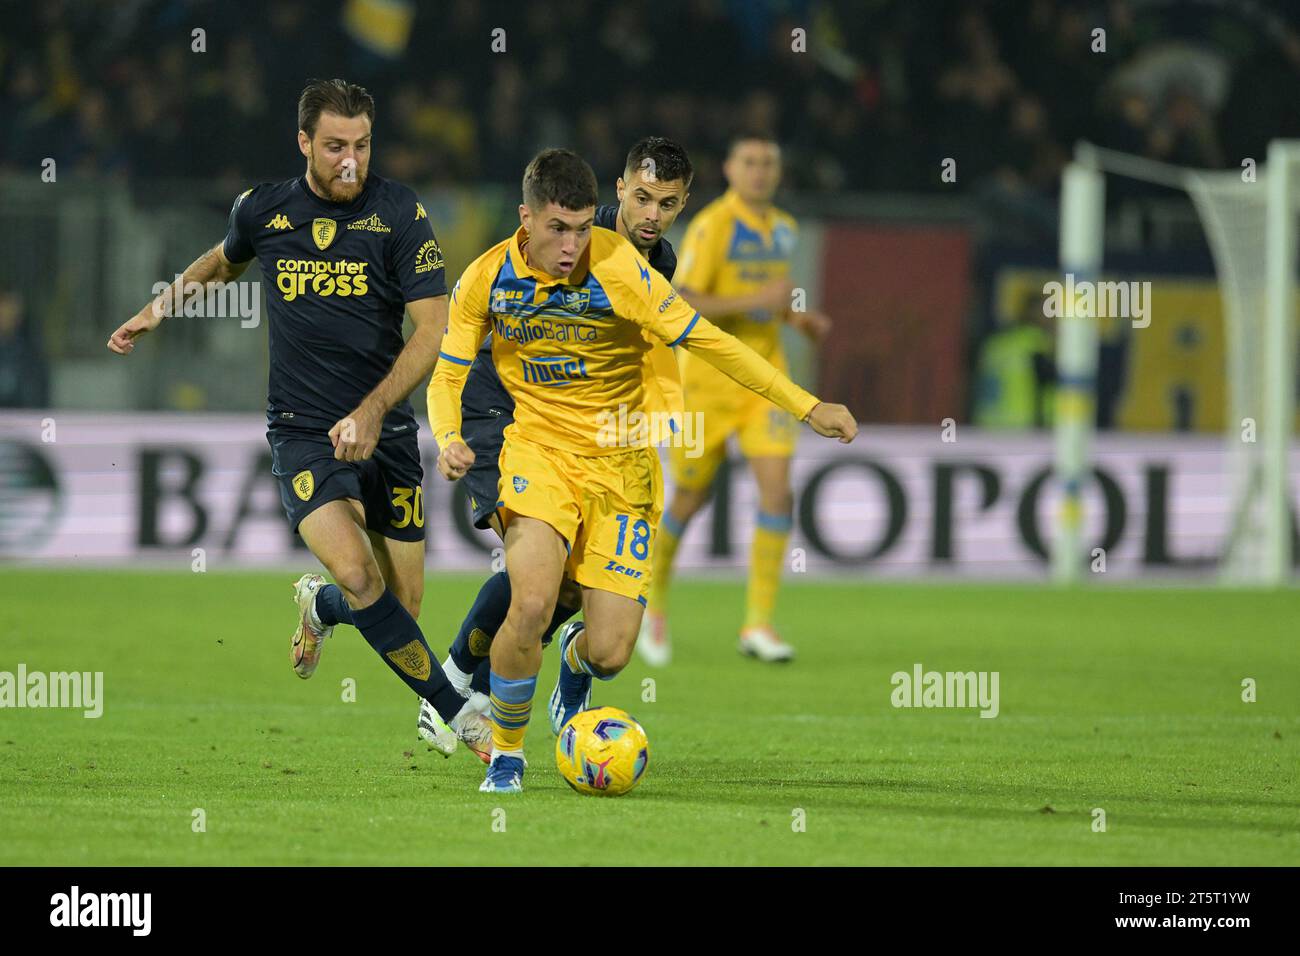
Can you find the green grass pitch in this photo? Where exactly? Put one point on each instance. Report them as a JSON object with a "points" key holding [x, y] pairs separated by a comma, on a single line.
{"points": [[1124, 700]]}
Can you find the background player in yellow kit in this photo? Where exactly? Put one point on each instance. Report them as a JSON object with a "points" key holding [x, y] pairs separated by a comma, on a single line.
{"points": [[567, 304], [735, 267]]}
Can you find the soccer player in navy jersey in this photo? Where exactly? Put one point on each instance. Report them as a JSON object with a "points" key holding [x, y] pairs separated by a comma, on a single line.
{"points": [[651, 194], [344, 254]]}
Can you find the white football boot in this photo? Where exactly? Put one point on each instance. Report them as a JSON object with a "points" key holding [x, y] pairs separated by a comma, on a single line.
{"points": [[309, 638], [652, 642], [470, 726], [764, 644]]}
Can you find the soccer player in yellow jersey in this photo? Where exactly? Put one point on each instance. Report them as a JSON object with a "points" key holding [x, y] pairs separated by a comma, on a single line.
{"points": [[569, 305], [735, 266]]}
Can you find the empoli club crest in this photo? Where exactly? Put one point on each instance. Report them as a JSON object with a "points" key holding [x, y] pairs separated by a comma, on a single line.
{"points": [[480, 645], [322, 232], [413, 659], [304, 485]]}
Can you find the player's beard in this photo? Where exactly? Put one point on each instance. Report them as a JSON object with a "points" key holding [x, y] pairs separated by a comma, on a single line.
{"points": [[331, 182], [634, 237]]}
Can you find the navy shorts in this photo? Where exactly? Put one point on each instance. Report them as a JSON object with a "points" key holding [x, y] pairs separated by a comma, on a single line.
{"points": [[389, 484], [486, 408], [484, 436]]}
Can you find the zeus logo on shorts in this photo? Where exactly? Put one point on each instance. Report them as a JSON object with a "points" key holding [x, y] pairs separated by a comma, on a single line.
{"points": [[615, 566], [553, 371]]}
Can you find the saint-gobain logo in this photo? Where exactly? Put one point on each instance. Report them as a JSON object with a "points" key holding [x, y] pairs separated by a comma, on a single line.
{"points": [[103, 909]]}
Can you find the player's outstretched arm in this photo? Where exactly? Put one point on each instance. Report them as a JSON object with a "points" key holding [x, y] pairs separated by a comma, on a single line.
{"points": [[658, 308], [742, 364], [212, 266], [454, 455], [356, 435]]}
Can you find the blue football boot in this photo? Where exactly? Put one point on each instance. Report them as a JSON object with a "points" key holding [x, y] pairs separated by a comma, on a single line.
{"points": [[572, 691], [504, 775]]}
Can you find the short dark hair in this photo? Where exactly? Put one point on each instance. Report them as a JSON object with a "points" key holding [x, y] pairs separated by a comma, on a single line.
{"points": [[670, 160], [750, 134], [333, 96], [560, 176]]}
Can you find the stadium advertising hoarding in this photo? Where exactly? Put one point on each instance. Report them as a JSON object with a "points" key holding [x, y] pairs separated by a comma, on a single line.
{"points": [[900, 295], [900, 502]]}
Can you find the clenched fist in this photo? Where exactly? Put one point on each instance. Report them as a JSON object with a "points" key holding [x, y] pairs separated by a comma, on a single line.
{"points": [[454, 460], [833, 421]]}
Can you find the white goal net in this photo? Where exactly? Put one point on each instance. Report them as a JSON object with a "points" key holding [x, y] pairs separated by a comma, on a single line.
{"points": [[1250, 222]]}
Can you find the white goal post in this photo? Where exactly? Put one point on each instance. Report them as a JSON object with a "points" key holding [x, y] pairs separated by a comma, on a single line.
{"points": [[1251, 225]]}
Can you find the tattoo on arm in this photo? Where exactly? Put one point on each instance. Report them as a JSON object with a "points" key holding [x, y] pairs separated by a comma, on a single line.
{"points": [[209, 267]]}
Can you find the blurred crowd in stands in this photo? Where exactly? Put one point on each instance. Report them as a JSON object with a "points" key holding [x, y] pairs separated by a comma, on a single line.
{"points": [[866, 96], [878, 94]]}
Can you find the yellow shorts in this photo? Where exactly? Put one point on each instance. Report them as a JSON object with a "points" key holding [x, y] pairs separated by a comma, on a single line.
{"points": [[724, 409], [605, 507]]}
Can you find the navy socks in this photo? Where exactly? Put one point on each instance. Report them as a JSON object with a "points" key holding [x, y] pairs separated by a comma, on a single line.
{"points": [[396, 637]]}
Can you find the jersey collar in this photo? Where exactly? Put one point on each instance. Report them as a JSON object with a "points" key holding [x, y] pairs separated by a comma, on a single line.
{"points": [[522, 268], [763, 222], [338, 208]]}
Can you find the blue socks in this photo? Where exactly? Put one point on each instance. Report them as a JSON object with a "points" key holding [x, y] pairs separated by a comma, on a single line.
{"points": [[512, 705]]}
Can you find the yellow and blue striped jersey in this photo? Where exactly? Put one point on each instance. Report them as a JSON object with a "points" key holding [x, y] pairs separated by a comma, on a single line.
{"points": [[574, 350], [730, 250]]}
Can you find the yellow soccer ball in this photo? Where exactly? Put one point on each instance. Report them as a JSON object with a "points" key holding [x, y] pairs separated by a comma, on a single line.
{"points": [[602, 751]]}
